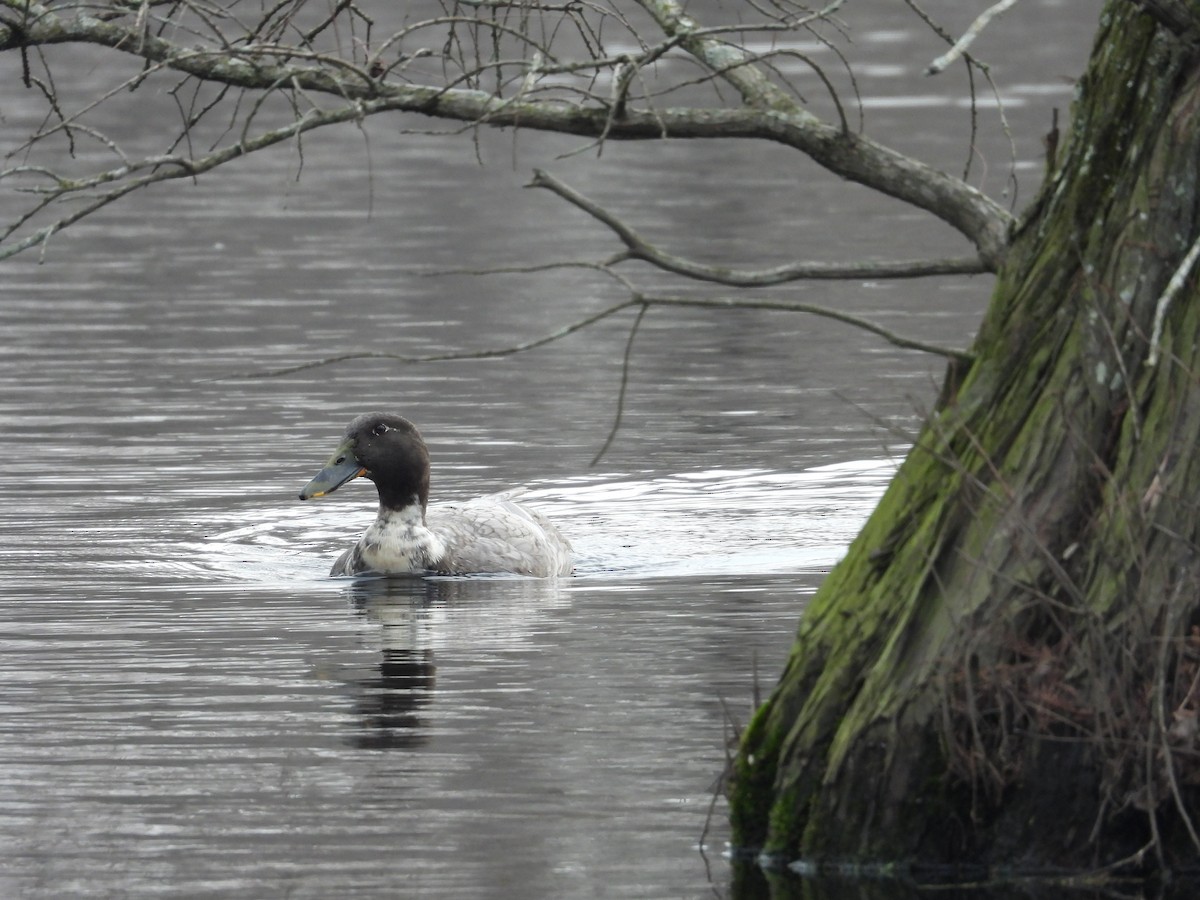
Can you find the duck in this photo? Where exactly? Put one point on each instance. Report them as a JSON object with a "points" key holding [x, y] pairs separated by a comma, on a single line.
{"points": [[489, 535]]}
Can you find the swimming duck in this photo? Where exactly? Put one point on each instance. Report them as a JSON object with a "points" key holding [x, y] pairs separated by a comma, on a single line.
{"points": [[490, 534]]}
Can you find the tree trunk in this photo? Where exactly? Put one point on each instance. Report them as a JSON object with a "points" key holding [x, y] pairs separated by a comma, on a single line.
{"points": [[1005, 670]]}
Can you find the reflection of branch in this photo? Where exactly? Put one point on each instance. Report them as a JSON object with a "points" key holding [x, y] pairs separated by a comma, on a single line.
{"points": [[960, 46], [638, 248]]}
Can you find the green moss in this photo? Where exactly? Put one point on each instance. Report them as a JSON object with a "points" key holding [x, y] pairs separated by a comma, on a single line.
{"points": [[789, 816], [750, 792]]}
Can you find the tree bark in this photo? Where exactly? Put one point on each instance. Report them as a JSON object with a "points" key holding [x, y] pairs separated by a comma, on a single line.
{"points": [[1004, 670]]}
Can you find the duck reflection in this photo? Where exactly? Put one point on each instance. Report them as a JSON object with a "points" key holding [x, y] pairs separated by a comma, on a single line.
{"points": [[389, 704], [415, 615]]}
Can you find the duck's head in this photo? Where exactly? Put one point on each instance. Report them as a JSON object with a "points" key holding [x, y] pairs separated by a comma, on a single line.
{"points": [[385, 448]]}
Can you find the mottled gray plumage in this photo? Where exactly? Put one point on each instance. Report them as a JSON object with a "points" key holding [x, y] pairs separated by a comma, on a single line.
{"points": [[490, 534]]}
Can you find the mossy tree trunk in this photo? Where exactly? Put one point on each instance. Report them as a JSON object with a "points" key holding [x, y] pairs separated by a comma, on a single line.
{"points": [[1004, 669]]}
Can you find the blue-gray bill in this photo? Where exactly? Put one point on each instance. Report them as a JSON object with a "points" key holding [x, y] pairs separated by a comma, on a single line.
{"points": [[343, 466]]}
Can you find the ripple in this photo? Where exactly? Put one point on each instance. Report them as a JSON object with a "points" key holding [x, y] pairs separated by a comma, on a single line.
{"points": [[712, 522]]}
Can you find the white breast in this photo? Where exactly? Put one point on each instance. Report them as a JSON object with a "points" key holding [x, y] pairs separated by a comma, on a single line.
{"points": [[398, 542]]}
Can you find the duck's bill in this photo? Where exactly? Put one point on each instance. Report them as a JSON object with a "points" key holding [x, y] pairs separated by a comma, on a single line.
{"points": [[342, 467]]}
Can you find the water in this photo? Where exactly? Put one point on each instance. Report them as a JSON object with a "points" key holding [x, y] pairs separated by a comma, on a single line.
{"points": [[191, 708]]}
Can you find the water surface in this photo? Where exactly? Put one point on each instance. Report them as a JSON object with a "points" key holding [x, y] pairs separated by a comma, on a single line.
{"points": [[192, 708]]}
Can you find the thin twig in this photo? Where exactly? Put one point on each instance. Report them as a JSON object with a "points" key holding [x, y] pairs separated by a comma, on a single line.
{"points": [[969, 36], [616, 425], [495, 353], [1174, 286], [638, 300], [786, 306]]}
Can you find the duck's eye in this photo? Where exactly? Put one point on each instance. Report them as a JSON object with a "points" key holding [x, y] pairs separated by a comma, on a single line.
{"points": [[380, 428]]}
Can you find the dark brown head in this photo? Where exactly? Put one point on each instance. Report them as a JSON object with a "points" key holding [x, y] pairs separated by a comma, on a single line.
{"points": [[385, 448]]}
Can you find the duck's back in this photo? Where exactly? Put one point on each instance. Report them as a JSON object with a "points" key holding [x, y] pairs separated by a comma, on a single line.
{"points": [[496, 534]]}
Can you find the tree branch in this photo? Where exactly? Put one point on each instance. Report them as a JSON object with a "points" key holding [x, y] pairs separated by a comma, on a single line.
{"points": [[735, 65], [854, 157], [824, 312], [770, 114], [642, 301], [163, 168], [494, 353], [624, 389], [638, 248], [969, 37]]}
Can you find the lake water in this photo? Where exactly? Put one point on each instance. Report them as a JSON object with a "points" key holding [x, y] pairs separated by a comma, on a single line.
{"points": [[192, 708]]}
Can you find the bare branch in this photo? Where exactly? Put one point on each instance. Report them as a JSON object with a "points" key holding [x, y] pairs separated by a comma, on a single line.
{"points": [[362, 81], [639, 300], [734, 64], [888, 335], [495, 353], [638, 248], [969, 36], [163, 168], [817, 139], [625, 361]]}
